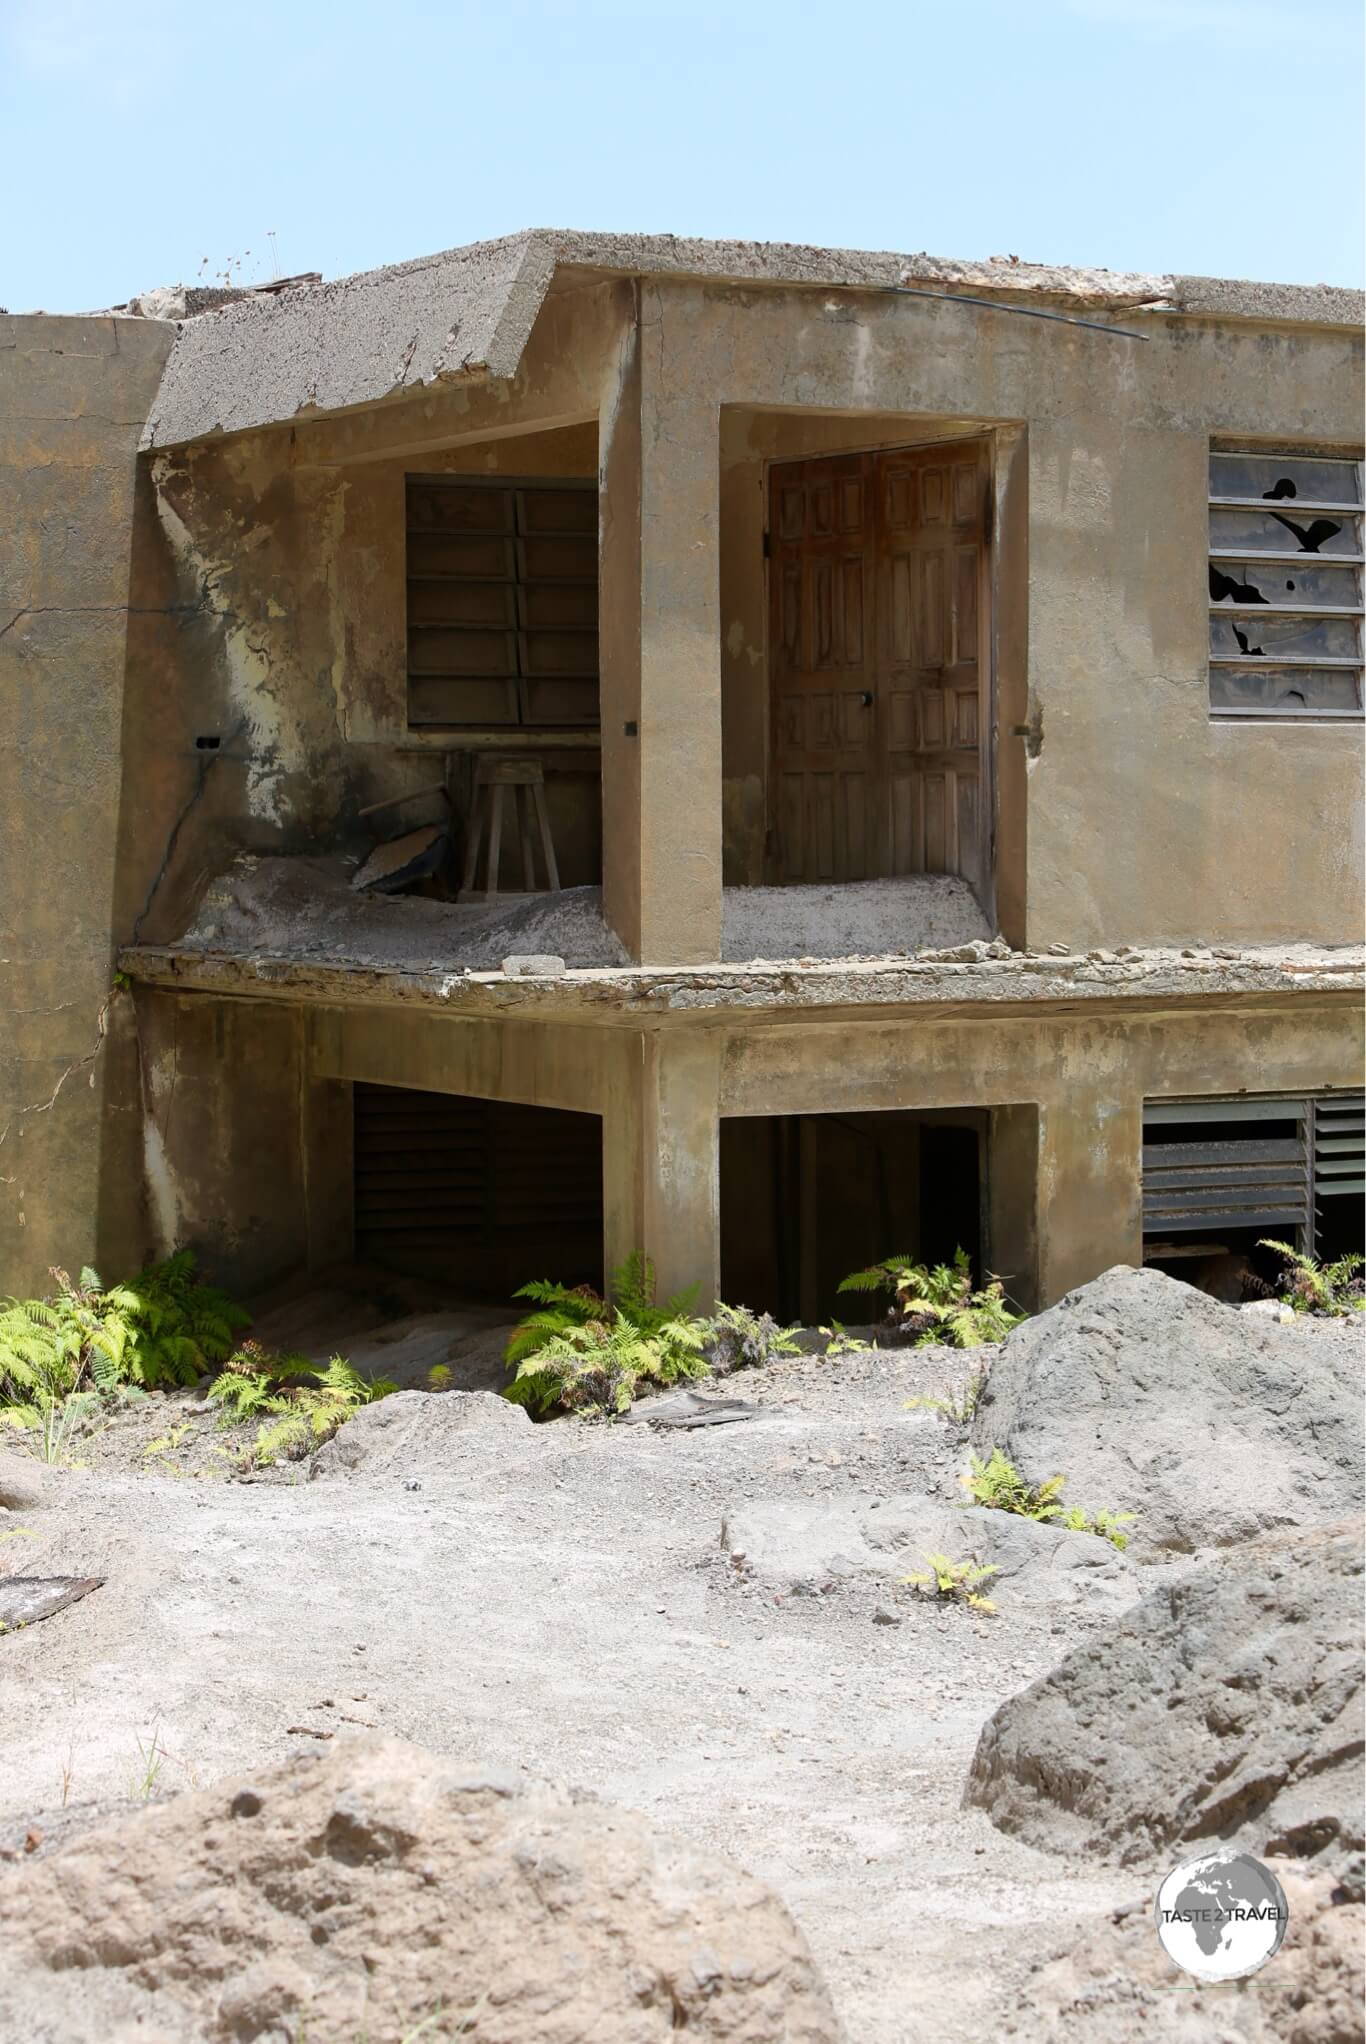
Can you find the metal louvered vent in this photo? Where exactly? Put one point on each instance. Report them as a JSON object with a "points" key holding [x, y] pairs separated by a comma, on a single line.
{"points": [[1339, 1138], [1219, 1164]]}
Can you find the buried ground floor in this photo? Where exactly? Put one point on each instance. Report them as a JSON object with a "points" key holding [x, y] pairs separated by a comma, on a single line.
{"points": [[759, 1156]]}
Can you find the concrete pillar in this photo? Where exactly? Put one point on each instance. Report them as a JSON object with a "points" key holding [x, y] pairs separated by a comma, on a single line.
{"points": [[327, 1162], [1066, 1194], [660, 656], [74, 393], [660, 1159]]}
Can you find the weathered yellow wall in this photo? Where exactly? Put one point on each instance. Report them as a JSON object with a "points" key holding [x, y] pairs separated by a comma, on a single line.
{"points": [[73, 396]]}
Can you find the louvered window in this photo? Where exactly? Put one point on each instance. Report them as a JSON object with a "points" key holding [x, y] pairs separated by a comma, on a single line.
{"points": [[1288, 1166], [1339, 1140], [502, 604], [1285, 568]]}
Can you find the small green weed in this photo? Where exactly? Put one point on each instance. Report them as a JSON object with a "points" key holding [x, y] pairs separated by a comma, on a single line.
{"points": [[998, 1484], [581, 1352], [957, 1582], [957, 1403], [439, 1377]]}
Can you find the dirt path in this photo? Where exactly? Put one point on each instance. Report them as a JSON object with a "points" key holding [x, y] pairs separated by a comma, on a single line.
{"points": [[557, 1598]]}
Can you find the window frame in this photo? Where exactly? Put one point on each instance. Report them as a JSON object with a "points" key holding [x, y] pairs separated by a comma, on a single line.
{"points": [[1355, 561]]}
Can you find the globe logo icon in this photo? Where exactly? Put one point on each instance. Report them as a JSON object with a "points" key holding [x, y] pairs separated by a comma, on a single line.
{"points": [[1221, 1917]]}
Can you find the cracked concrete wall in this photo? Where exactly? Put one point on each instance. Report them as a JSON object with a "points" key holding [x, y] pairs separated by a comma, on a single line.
{"points": [[271, 627], [74, 394]]}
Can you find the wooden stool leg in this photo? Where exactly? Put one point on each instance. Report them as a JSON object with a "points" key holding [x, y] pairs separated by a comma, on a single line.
{"points": [[520, 797], [478, 813], [495, 836], [552, 871]]}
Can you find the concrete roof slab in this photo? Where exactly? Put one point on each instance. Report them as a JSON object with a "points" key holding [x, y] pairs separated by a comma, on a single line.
{"points": [[270, 358]]}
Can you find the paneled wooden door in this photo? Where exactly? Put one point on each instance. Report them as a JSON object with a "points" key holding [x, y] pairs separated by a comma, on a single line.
{"points": [[879, 715]]}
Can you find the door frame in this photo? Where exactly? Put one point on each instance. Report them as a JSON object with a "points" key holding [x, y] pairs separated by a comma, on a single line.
{"points": [[986, 438]]}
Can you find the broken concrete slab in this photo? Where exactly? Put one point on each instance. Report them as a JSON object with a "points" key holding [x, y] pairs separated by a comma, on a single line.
{"points": [[26, 1599]]}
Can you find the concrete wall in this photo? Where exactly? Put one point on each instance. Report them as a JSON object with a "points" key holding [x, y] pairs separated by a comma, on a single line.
{"points": [[269, 572], [73, 397], [1147, 822], [247, 1115]]}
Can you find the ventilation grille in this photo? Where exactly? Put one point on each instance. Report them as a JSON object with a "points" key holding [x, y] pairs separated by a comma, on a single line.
{"points": [[1218, 1164], [432, 1168], [1339, 1124]]}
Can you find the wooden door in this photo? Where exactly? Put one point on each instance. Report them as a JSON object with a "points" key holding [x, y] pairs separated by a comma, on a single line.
{"points": [[824, 790], [878, 708]]}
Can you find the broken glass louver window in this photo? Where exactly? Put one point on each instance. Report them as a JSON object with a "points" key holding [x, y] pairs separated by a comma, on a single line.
{"points": [[1285, 590]]}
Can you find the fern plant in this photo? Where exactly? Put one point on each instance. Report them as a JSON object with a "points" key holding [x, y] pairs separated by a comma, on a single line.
{"points": [[1329, 1290], [939, 1303], [598, 1367], [955, 1582], [956, 1403], [630, 1294], [161, 1326], [998, 1484], [739, 1339], [294, 1417]]}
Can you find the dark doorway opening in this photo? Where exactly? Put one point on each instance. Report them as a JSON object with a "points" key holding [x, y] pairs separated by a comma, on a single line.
{"points": [[808, 1198], [479, 1195]]}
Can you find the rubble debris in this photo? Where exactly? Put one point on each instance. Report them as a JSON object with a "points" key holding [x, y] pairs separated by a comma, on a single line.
{"points": [[402, 860], [374, 1889], [1210, 1424], [26, 1599], [533, 965], [1227, 1705]]}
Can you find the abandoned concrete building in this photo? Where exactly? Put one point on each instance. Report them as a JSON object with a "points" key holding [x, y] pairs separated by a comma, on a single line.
{"points": [[919, 702]]}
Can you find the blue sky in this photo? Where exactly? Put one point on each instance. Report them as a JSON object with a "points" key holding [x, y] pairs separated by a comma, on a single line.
{"points": [[141, 138]]}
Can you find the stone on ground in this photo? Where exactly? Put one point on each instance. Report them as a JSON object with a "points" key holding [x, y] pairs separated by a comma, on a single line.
{"points": [[801, 1547], [1210, 1425], [378, 1892], [424, 1433], [1226, 1706], [1117, 1984], [23, 1485]]}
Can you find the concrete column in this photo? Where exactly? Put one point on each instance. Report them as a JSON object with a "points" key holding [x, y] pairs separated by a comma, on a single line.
{"points": [[1065, 1195], [660, 654], [327, 1155], [1090, 1188], [660, 1159]]}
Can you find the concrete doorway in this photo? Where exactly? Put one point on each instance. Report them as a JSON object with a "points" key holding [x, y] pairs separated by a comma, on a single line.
{"points": [[477, 1195], [879, 666], [807, 1198]]}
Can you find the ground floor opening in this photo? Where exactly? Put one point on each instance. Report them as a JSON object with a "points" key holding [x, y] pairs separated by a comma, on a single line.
{"points": [[808, 1198], [477, 1195]]}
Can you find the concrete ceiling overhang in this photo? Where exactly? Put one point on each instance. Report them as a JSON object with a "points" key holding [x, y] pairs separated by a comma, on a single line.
{"points": [[269, 359]]}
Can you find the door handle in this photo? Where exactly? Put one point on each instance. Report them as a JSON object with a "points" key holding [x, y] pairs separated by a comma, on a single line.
{"points": [[866, 698]]}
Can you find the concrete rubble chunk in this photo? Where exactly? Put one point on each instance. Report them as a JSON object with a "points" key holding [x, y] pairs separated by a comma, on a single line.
{"points": [[355, 1893], [533, 965], [1226, 1706]]}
